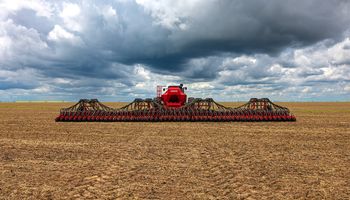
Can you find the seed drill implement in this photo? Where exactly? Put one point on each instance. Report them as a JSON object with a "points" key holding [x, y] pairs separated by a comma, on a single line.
{"points": [[172, 104]]}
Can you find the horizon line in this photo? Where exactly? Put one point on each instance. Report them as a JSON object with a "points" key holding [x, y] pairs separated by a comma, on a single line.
{"points": [[67, 101]]}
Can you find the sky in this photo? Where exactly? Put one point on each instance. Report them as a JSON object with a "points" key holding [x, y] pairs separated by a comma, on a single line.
{"points": [[230, 50]]}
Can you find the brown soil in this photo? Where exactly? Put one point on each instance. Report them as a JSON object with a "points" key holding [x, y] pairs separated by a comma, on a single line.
{"points": [[308, 159]]}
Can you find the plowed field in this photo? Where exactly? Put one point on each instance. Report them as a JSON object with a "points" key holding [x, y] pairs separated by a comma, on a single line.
{"points": [[42, 159]]}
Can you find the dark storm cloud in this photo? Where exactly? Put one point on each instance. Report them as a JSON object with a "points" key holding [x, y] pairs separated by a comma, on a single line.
{"points": [[224, 26], [250, 27], [91, 46]]}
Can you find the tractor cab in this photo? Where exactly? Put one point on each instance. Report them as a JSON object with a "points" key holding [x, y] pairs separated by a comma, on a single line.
{"points": [[174, 96]]}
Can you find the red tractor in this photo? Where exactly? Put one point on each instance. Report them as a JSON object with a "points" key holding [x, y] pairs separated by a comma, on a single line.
{"points": [[174, 96], [171, 105]]}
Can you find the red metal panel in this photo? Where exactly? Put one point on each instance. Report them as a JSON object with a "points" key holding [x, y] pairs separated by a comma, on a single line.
{"points": [[174, 97]]}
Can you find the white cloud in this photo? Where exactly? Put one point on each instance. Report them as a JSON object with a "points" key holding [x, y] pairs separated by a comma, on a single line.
{"points": [[42, 89], [347, 88], [241, 60], [109, 11], [171, 14], [5, 44], [322, 62], [41, 7], [339, 53], [61, 81], [201, 86], [140, 85], [142, 72], [59, 34], [19, 43], [70, 15], [306, 90], [70, 10], [23, 77]]}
